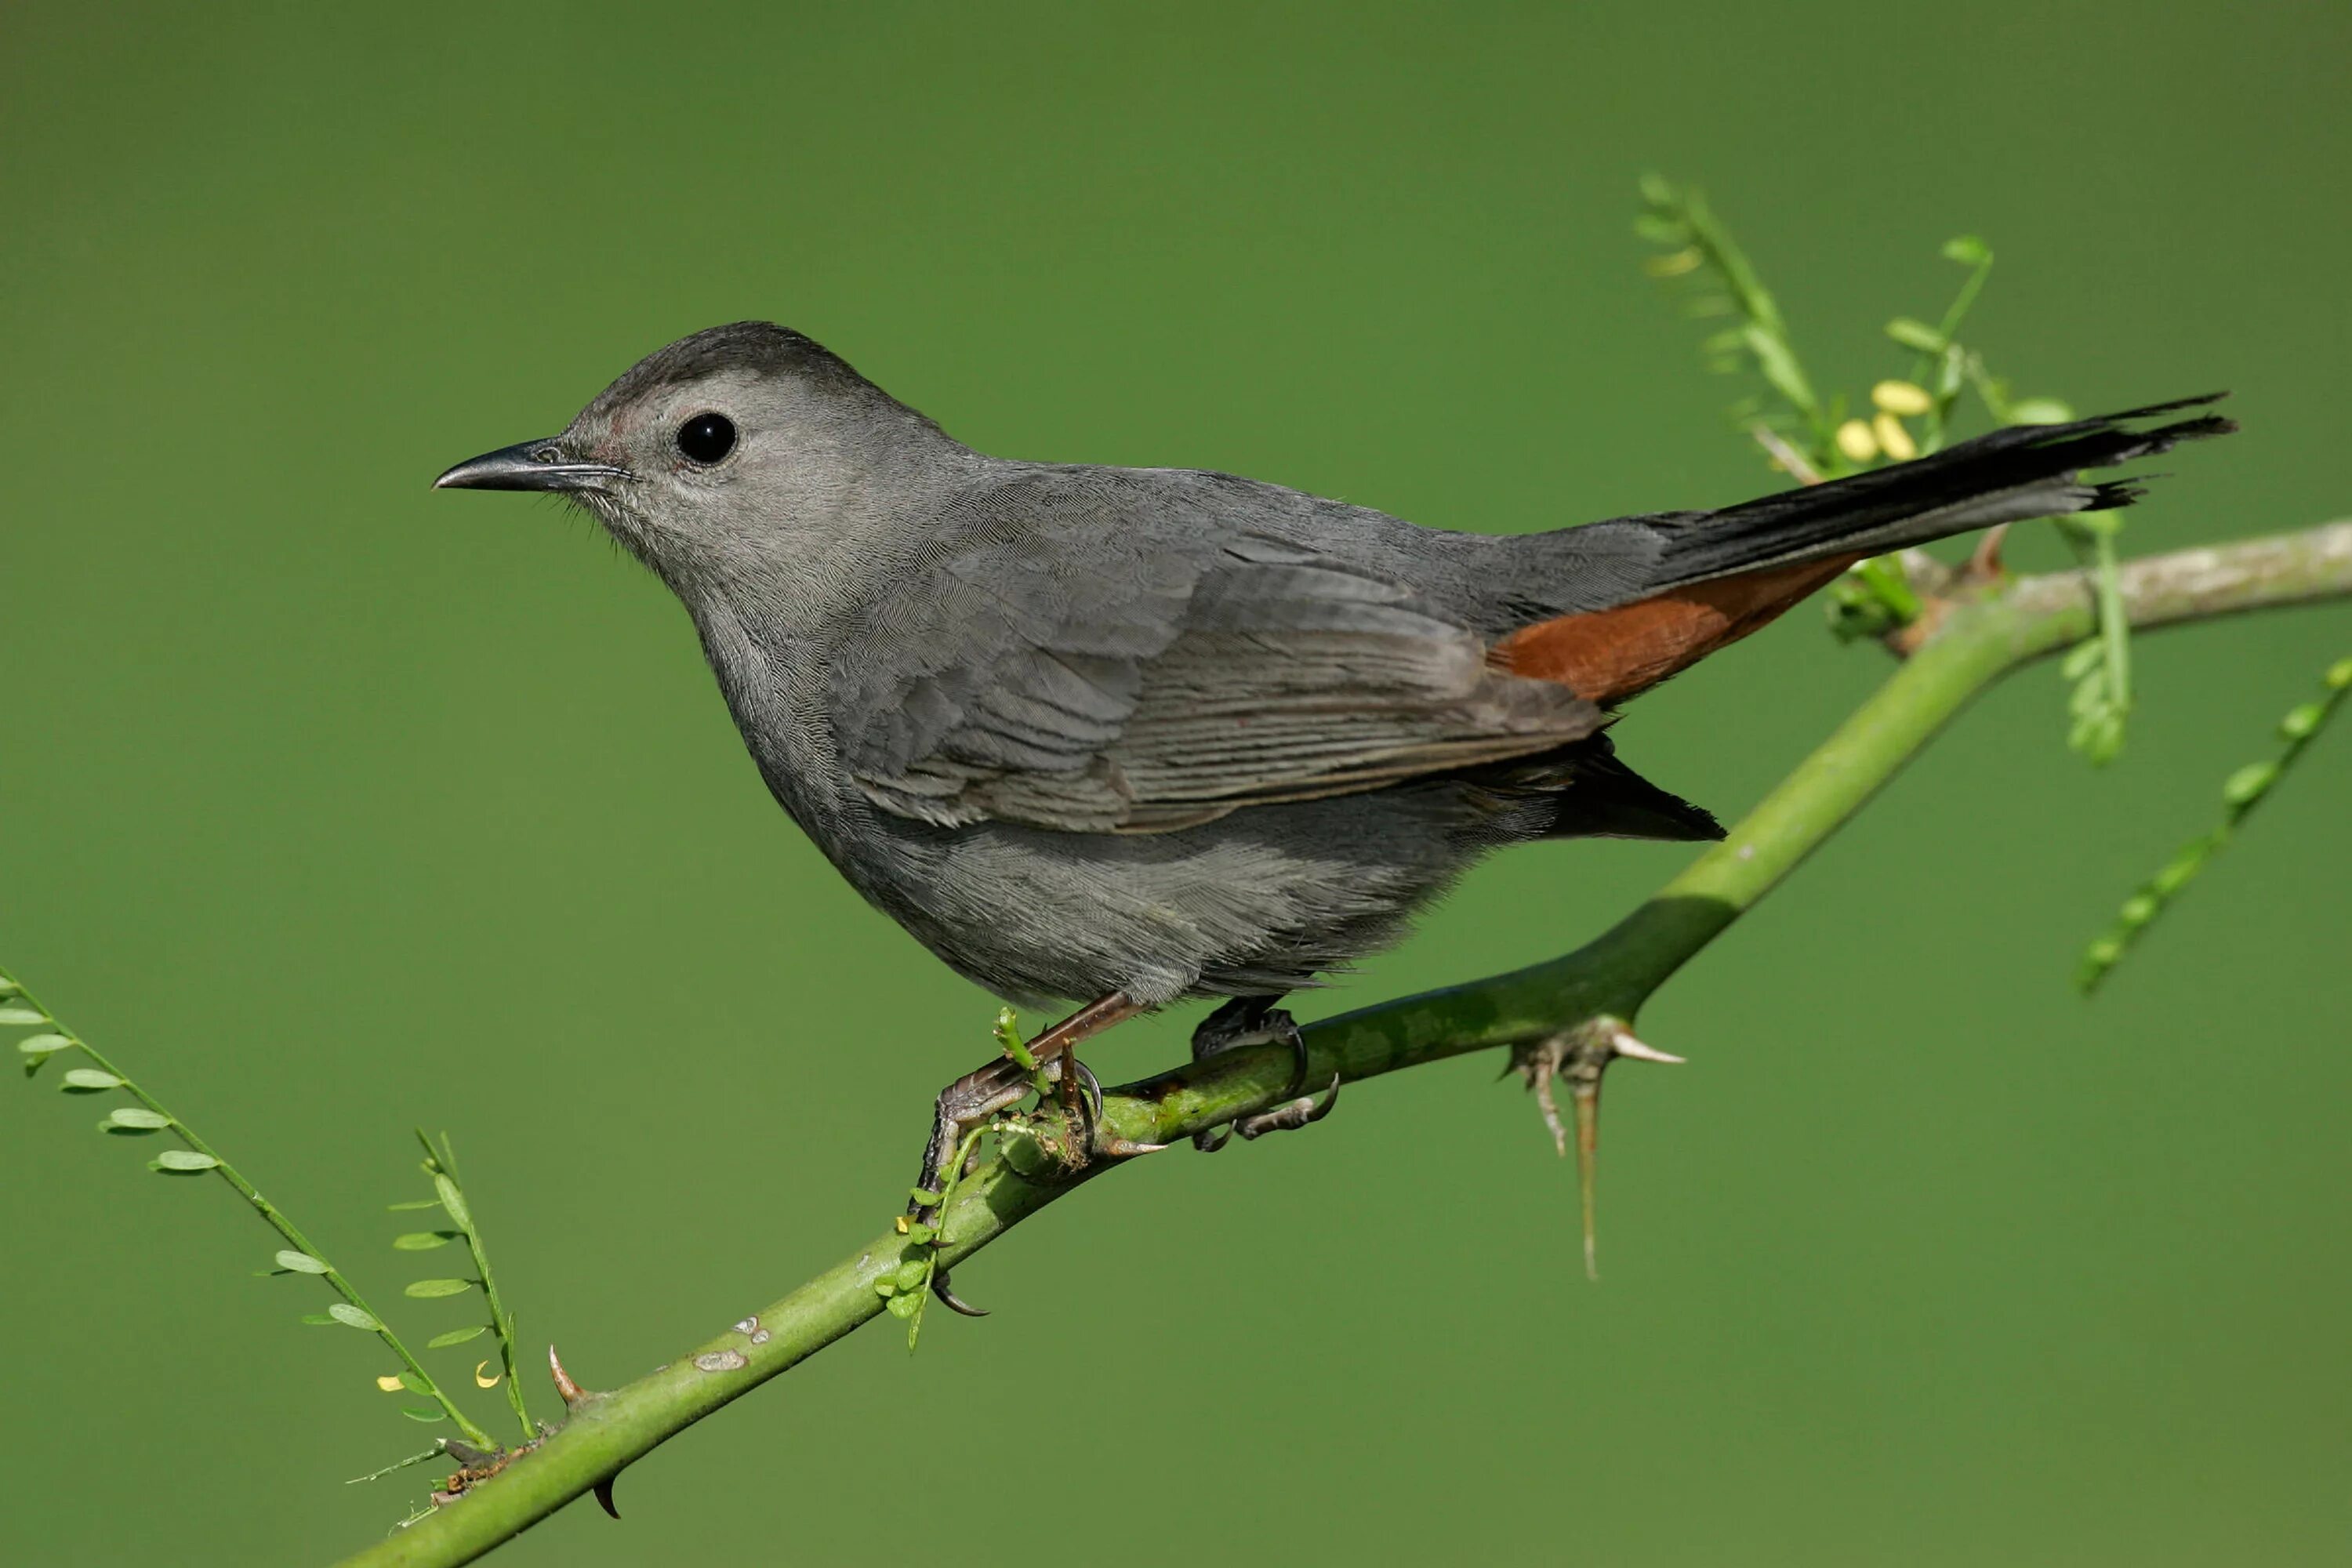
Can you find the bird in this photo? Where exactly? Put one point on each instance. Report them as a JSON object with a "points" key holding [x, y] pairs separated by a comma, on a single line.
{"points": [[1123, 737]]}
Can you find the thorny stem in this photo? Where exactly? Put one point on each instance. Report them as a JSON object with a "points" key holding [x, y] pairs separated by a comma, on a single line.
{"points": [[268, 1211], [1985, 633]]}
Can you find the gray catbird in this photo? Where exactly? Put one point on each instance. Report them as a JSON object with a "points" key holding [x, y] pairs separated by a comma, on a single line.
{"points": [[1130, 735]]}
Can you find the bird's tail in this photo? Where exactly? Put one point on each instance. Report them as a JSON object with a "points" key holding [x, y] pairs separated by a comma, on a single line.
{"points": [[2013, 474], [1716, 576]]}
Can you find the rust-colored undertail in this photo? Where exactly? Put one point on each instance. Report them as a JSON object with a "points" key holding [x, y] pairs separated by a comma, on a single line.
{"points": [[1610, 656]]}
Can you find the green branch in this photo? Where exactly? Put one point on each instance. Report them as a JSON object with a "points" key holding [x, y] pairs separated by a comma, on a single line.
{"points": [[1591, 993]]}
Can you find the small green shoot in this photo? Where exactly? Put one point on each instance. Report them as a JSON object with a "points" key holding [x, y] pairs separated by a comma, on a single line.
{"points": [[907, 1289], [2241, 793], [440, 1166]]}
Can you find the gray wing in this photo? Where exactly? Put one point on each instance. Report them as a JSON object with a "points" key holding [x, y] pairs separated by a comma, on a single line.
{"points": [[1079, 670]]}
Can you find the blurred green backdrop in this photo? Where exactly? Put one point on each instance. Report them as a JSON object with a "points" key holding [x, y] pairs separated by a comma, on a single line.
{"points": [[334, 806]]}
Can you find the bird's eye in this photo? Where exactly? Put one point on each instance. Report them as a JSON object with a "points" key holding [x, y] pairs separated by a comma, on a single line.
{"points": [[707, 437]]}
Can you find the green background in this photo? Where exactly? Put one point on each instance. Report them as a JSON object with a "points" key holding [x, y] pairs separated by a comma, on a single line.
{"points": [[333, 805]]}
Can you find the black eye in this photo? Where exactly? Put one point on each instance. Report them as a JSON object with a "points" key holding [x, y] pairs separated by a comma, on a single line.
{"points": [[707, 437]]}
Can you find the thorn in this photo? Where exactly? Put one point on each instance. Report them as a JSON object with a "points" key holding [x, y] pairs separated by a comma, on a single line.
{"points": [[950, 1300], [1582, 1056], [1787, 458], [1587, 1099], [604, 1497], [572, 1392], [1984, 564], [1118, 1148], [1551, 1107], [1623, 1044]]}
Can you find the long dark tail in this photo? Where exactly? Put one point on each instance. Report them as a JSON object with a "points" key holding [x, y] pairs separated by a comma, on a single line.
{"points": [[2019, 472], [1709, 578]]}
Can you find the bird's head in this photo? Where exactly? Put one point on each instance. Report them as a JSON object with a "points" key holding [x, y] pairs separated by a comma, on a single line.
{"points": [[726, 455]]}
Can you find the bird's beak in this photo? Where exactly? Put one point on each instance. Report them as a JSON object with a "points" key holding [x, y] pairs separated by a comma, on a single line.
{"points": [[532, 466]]}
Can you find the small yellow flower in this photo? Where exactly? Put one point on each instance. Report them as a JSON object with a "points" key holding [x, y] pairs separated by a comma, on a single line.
{"points": [[390, 1384], [1855, 439], [490, 1382], [1901, 398], [1893, 438]]}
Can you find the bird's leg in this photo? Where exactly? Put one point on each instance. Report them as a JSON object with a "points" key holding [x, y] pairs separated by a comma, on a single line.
{"points": [[1256, 1021], [1062, 1039], [961, 1107], [986, 1092], [1080, 1091], [981, 1094]]}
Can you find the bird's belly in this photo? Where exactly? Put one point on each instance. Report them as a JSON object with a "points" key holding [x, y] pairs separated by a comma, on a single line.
{"points": [[1256, 903]]}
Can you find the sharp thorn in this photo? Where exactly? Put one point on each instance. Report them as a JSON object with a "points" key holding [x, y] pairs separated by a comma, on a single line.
{"points": [[1623, 1044], [950, 1300], [1587, 1101], [1126, 1149], [604, 1497], [572, 1392], [1550, 1108], [1984, 562]]}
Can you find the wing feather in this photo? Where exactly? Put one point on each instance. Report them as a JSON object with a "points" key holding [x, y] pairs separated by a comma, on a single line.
{"points": [[1076, 671]]}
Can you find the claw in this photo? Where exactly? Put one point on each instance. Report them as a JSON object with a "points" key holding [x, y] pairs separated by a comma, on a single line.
{"points": [[1290, 1116], [1089, 1085], [1108, 1145], [1251, 1021]]}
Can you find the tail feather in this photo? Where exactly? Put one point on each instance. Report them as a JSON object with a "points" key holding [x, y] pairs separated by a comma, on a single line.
{"points": [[2013, 474], [1709, 579]]}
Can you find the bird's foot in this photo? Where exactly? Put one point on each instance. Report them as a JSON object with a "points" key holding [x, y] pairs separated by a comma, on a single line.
{"points": [[1256, 1021], [1066, 1127], [1581, 1056], [964, 1111]]}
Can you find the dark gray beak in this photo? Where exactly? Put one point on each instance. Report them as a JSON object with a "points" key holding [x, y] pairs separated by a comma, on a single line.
{"points": [[530, 466]]}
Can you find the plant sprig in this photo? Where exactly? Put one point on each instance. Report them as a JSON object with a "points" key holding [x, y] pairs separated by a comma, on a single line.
{"points": [[441, 1165], [1814, 439], [1701, 248], [20, 1008], [1875, 598], [2241, 793], [147, 1116]]}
